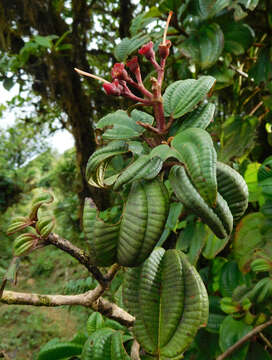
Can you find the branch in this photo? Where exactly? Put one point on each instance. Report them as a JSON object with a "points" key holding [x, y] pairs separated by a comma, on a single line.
{"points": [[78, 254], [244, 339], [90, 299]]}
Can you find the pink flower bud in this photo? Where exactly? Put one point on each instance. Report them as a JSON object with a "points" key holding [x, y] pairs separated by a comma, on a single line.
{"points": [[118, 72], [147, 51], [133, 64]]}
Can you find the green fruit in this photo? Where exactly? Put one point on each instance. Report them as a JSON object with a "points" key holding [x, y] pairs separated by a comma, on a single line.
{"points": [[169, 301]]}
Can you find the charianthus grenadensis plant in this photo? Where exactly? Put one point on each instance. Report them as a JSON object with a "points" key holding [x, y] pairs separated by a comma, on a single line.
{"points": [[122, 81]]}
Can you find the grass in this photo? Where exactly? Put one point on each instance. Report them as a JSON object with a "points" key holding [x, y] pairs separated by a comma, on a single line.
{"points": [[24, 329]]}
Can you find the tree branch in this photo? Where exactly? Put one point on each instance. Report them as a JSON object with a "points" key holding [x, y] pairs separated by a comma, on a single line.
{"points": [[90, 299], [244, 339], [78, 254]]}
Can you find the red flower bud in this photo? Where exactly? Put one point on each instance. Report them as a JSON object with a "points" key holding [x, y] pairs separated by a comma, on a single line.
{"points": [[147, 51], [113, 88], [118, 71], [164, 49], [133, 64]]}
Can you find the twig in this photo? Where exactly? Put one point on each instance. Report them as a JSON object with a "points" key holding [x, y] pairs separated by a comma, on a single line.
{"points": [[268, 343], [135, 350], [240, 72], [255, 108], [78, 254], [244, 339]]}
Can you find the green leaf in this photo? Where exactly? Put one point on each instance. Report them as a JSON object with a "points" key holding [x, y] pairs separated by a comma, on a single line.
{"points": [[262, 70], [230, 332], [18, 223], [238, 137], [161, 326], [230, 278], [199, 118], [94, 322], [122, 126], [233, 188], [8, 83], [164, 152], [265, 177], [44, 41], [55, 350], [251, 178], [238, 37], [216, 315], [43, 198], [142, 168], [208, 8], [129, 45], [197, 243], [205, 46], [247, 239], [213, 245], [182, 96], [105, 344], [198, 154], [98, 161]]}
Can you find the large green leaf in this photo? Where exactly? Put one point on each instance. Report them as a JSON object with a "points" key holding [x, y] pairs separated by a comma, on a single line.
{"points": [[120, 126], [129, 45], [163, 326], [238, 37], [248, 238], [182, 96], [205, 46], [198, 154], [230, 332], [208, 8], [142, 222], [219, 217], [233, 188]]}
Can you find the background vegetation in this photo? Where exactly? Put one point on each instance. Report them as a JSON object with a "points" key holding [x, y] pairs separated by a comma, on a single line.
{"points": [[40, 43]]}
